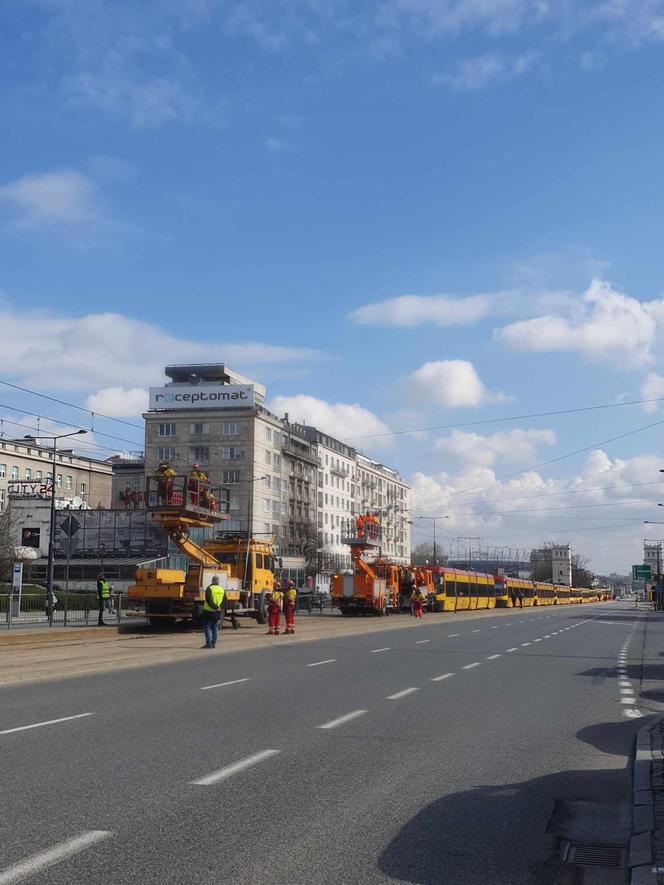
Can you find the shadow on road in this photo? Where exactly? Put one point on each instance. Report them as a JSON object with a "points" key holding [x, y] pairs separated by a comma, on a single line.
{"points": [[495, 833]]}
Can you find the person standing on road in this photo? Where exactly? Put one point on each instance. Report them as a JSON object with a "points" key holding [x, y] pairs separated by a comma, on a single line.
{"points": [[289, 607], [273, 612], [212, 611], [417, 601], [103, 597], [520, 597]]}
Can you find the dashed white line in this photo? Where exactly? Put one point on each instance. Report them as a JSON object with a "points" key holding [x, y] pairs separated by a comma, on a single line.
{"points": [[548, 636], [343, 719], [524, 644], [422, 641], [494, 628], [624, 684], [38, 862], [224, 684], [492, 657], [401, 694], [375, 651], [450, 635], [234, 768], [512, 649], [320, 663], [628, 700], [470, 666], [47, 722], [474, 631], [537, 640], [441, 677]]}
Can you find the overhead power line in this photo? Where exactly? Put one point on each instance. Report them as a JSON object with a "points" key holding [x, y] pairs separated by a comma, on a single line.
{"points": [[67, 424], [70, 405], [38, 430]]}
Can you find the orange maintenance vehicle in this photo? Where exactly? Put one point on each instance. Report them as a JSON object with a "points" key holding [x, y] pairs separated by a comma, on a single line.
{"points": [[372, 587], [243, 565]]}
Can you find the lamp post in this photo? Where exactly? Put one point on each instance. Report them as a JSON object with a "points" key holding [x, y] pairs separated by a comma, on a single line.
{"points": [[434, 520], [51, 535]]}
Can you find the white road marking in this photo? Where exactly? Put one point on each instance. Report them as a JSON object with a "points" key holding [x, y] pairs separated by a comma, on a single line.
{"points": [[401, 694], [234, 768], [374, 651], [492, 657], [48, 722], [512, 649], [524, 644], [537, 640], [470, 666], [494, 628], [625, 684], [422, 641], [628, 700], [38, 862], [443, 676], [343, 719], [320, 663], [223, 684], [548, 636], [632, 714], [474, 631], [453, 634], [509, 623]]}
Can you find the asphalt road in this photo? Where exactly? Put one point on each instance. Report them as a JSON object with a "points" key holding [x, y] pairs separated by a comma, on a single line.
{"points": [[432, 754]]}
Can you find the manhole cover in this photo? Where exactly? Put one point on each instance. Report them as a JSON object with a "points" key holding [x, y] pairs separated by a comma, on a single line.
{"points": [[584, 855]]}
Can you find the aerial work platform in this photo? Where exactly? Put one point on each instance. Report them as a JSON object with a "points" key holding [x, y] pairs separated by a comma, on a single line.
{"points": [[189, 499], [366, 533]]}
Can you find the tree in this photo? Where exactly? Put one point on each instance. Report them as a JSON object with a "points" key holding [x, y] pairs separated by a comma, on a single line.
{"points": [[581, 575], [7, 546], [303, 541]]}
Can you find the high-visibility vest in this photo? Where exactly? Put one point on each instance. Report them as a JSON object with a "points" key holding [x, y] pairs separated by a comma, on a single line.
{"points": [[217, 594], [105, 590], [291, 594], [275, 596]]}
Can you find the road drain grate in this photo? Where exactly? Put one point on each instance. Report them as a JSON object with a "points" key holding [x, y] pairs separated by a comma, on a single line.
{"points": [[583, 855]]}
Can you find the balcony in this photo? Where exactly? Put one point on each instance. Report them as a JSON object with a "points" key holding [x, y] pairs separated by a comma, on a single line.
{"points": [[300, 452]]}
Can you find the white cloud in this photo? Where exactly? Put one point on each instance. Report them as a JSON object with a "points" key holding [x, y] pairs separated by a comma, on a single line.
{"points": [[517, 446], [449, 383], [417, 310], [133, 352], [603, 325], [475, 73], [434, 18], [345, 421], [118, 402], [60, 197], [652, 388]]}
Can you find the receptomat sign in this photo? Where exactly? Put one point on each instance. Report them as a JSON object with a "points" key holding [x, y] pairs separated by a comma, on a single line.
{"points": [[202, 396]]}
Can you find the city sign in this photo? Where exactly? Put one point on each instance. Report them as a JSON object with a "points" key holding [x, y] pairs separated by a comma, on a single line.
{"points": [[25, 488], [202, 396], [641, 572]]}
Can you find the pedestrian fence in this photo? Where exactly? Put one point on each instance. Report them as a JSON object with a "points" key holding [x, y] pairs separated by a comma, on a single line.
{"points": [[68, 609]]}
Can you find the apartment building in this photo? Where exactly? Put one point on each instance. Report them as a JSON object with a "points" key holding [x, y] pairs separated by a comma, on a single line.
{"points": [[381, 490]]}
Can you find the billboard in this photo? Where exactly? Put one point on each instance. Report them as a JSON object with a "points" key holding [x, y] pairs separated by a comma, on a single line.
{"points": [[203, 396]]}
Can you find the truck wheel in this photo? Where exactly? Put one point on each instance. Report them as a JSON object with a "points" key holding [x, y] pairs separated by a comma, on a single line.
{"points": [[261, 608]]}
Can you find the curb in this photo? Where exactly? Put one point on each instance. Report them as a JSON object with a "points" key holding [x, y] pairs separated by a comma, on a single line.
{"points": [[56, 634], [641, 855]]}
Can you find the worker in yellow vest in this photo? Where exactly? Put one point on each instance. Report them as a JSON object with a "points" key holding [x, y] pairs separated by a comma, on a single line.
{"points": [[103, 597], [417, 599], [213, 608], [289, 607], [273, 612]]}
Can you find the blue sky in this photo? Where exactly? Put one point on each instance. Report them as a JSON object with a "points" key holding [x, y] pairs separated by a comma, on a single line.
{"points": [[244, 181]]}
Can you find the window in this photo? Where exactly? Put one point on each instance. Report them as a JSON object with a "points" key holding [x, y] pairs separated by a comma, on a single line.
{"points": [[199, 429], [167, 430], [232, 453], [268, 434], [268, 457], [275, 507], [166, 453], [49, 477], [277, 459], [259, 560], [58, 480], [230, 477], [267, 506], [68, 482], [38, 474], [3, 471], [28, 473], [234, 503], [268, 482], [277, 484], [326, 519], [200, 453], [14, 474], [230, 428], [84, 489], [2, 500]]}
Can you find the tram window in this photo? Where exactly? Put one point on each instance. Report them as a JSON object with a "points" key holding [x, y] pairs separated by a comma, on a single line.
{"points": [[462, 589], [481, 589], [450, 587]]}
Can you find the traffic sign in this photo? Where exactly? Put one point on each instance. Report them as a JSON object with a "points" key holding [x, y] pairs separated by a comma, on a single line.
{"points": [[70, 526], [639, 572]]}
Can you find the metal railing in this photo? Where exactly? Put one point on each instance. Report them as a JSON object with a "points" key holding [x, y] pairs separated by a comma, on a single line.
{"points": [[69, 609]]}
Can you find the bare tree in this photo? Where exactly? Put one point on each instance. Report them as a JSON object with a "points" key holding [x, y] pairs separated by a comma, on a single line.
{"points": [[303, 541], [7, 545], [581, 575]]}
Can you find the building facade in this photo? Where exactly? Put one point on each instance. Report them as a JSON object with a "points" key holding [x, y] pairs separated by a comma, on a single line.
{"points": [[26, 471]]}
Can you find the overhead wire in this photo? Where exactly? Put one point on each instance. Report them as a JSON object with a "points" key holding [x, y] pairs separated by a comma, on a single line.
{"points": [[79, 442], [67, 424]]}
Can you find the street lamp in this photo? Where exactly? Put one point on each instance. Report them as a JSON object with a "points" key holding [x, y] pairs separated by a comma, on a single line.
{"points": [[51, 535], [434, 520]]}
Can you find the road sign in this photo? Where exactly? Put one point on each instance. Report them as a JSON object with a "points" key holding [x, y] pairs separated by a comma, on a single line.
{"points": [[70, 546], [70, 526], [641, 572]]}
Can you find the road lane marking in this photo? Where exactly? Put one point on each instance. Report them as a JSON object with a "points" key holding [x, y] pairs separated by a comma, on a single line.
{"points": [[512, 649], [234, 768], [422, 641], [494, 628], [524, 644], [548, 636], [224, 684], [441, 677], [626, 691], [492, 657], [401, 694], [374, 651], [38, 862], [343, 719], [631, 700], [453, 634], [470, 666], [320, 663], [48, 722], [474, 631], [632, 714], [537, 640], [624, 684]]}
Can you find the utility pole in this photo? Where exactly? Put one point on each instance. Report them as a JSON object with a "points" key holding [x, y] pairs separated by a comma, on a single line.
{"points": [[434, 520]]}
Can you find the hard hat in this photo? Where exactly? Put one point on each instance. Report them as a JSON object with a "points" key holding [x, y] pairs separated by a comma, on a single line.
{"points": [[197, 466]]}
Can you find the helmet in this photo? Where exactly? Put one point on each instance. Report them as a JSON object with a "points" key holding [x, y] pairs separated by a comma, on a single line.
{"points": [[291, 583], [197, 466]]}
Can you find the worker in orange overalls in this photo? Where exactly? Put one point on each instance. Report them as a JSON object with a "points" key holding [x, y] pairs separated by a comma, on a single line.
{"points": [[273, 612], [359, 522], [417, 600], [289, 606], [165, 474]]}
